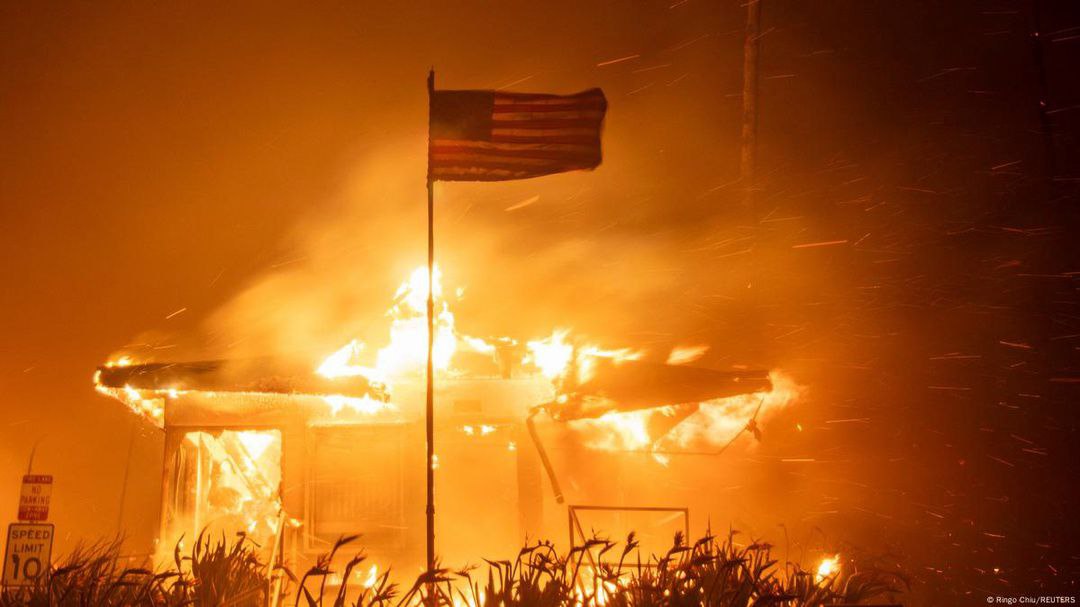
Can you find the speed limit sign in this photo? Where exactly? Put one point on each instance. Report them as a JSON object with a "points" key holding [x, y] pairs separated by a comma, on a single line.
{"points": [[26, 558]]}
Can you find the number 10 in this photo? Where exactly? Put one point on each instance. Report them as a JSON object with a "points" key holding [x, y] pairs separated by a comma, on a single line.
{"points": [[31, 569]]}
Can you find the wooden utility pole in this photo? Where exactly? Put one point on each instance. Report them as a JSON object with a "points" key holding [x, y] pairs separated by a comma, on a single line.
{"points": [[1049, 162], [748, 155], [751, 336]]}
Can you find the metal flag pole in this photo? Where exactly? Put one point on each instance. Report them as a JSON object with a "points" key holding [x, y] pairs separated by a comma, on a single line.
{"points": [[430, 409]]}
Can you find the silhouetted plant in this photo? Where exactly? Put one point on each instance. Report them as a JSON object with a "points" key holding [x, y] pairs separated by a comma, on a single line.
{"points": [[711, 572]]}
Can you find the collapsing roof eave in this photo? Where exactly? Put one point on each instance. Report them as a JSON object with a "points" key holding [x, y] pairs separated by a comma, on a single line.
{"points": [[255, 376]]}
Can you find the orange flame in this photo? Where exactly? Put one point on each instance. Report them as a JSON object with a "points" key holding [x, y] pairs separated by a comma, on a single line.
{"points": [[681, 355], [407, 350], [554, 356], [829, 567], [715, 424]]}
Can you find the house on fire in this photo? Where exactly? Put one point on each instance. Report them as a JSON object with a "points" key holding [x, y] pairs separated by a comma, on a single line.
{"points": [[295, 459]]}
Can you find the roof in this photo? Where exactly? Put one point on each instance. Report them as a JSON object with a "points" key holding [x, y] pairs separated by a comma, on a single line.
{"points": [[250, 375]]}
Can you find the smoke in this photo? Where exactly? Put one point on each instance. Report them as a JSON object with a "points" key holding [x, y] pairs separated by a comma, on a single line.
{"points": [[339, 270], [511, 270]]}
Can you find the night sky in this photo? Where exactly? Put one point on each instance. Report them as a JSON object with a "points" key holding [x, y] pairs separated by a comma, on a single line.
{"points": [[182, 181]]}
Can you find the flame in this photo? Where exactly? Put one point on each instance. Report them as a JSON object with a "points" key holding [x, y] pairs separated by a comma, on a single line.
{"points": [[344, 363], [615, 431], [123, 361], [551, 356], [255, 443], [363, 405], [587, 355], [153, 407], [407, 350], [481, 430], [718, 421], [372, 576], [592, 588], [238, 492], [478, 345], [555, 357], [715, 424], [559, 357], [462, 599], [829, 567], [681, 355]]}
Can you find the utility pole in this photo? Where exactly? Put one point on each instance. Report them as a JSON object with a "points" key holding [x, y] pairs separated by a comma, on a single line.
{"points": [[1049, 163], [748, 155], [751, 310]]}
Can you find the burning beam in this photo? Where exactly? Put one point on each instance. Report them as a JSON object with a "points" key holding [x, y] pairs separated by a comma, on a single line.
{"points": [[632, 385], [257, 375]]}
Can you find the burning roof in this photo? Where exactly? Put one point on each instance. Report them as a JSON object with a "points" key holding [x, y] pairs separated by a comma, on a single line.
{"points": [[258, 375], [612, 385], [620, 399]]}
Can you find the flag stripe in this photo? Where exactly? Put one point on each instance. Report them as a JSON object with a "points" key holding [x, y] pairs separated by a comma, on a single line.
{"points": [[519, 171], [588, 125], [575, 139], [548, 99], [588, 105], [439, 152], [482, 160], [542, 133], [584, 105], [508, 162], [484, 174], [509, 168], [591, 115], [507, 145]]}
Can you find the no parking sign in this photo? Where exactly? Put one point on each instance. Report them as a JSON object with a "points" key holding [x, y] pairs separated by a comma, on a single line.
{"points": [[35, 497], [29, 542]]}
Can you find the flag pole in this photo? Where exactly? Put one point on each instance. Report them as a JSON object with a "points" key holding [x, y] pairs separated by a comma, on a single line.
{"points": [[430, 408]]}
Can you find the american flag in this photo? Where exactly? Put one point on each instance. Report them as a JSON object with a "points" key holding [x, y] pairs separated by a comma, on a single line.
{"points": [[496, 136]]}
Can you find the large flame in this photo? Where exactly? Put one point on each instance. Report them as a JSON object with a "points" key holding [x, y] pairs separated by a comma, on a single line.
{"points": [[556, 357], [151, 406], [716, 423], [564, 359], [552, 355], [406, 353]]}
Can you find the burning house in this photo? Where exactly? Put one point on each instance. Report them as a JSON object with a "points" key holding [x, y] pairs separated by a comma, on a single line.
{"points": [[295, 456]]}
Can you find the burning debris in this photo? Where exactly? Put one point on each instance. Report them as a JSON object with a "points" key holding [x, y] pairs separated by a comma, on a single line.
{"points": [[234, 477]]}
